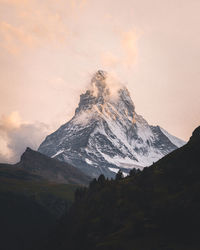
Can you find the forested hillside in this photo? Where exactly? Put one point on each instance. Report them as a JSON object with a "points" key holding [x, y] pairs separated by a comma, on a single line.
{"points": [[157, 208]]}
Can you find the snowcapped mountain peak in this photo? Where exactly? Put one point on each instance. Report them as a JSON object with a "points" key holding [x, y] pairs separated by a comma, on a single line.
{"points": [[98, 84], [100, 75], [106, 134], [106, 96], [105, 85]]}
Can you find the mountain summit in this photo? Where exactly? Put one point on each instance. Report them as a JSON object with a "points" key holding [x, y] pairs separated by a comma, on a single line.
{"points": [[106, 134]]}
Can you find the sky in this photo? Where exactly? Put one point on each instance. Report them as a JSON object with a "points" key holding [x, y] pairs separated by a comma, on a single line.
{"points": [[50, 49]]}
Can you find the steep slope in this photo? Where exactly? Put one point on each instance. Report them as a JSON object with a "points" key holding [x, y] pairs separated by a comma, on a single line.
{"points": [[106, 134], [157, 208], [51, 169]]}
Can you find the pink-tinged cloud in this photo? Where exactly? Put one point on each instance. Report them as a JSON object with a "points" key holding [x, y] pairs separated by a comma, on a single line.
{"points": [[35, 24], [129, 44], [16, 135], [13, 2], [125, 52]]}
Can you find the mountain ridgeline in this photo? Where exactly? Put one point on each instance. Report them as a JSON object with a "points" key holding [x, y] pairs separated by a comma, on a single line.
{"points": [[153, 209], [106, 134], [51, 169]]}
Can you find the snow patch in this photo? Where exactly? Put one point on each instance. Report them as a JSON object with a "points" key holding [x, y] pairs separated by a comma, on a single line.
{"points": [[88, 161], [115, 170], [59, 152], [124, 174]]}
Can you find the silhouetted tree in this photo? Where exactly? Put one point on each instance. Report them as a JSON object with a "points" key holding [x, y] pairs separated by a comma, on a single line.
{"points": [[101, 179], [93, 183], [79, 193], [133, 172], [119, 175]]}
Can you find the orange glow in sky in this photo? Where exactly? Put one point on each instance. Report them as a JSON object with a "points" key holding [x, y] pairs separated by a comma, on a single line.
{"points": [[49, 50]]}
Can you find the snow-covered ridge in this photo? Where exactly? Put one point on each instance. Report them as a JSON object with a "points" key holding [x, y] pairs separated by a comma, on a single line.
{"points": [[106, 134], [176, 141]]}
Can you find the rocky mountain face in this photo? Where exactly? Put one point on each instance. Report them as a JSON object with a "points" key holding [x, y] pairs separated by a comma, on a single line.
{"points": [[106, 134]]}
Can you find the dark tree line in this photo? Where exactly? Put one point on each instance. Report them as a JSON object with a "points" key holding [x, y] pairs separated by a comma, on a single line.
{"points": [[154, 209]]}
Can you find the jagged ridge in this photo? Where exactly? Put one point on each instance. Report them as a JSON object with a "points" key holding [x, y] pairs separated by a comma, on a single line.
{"points": [[106, 134]]}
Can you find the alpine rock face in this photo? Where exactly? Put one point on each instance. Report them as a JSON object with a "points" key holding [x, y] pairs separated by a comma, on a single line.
{"points": [[106, 134]]}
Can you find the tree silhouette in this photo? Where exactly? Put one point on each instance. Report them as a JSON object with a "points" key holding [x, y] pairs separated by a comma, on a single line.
{"points": [[119, 175]]}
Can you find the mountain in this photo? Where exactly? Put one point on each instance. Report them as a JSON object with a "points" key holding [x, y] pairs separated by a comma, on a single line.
{"points": [[106, 134], [156, 208], [51, 169]]}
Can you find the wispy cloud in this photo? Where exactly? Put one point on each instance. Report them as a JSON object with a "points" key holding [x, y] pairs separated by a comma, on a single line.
{"points": [[33, 24], [129, 41], [13, 2], [126, 50]]}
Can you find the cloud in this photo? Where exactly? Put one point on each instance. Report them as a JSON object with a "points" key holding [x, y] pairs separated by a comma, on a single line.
{"points": [[13, 38], [34, 24], [11, 2], [38, 29], [10, 122], [16, 135], [129, 41], [78, 4], [126, 50]]}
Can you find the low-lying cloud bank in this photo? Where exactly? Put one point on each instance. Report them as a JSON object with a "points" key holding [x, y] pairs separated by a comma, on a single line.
{"points": [[16, 135]]}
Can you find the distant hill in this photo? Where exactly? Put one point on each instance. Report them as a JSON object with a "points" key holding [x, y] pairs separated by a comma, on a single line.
{"points": [[51, 169], [29, 207], [154, 209], [34, 194]]}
